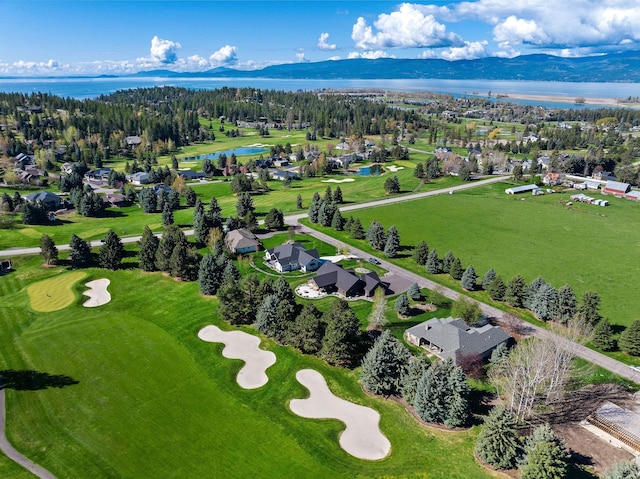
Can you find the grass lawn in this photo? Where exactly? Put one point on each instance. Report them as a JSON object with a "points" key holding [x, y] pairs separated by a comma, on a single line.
{"points": [[128, 390], [54, 293], [586, 246]]}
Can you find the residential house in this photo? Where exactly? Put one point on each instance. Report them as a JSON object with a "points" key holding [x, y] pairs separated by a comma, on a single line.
{"points": [[450, 338], [292, 257], [284, 174], [114, 199], [241, 241], [132, 141], [50, 200], [191, 175], [553, 179], [616, 188], [67, 168], [23, 160], [280, 162], [333, 278], [139, 178], [98, 174]]}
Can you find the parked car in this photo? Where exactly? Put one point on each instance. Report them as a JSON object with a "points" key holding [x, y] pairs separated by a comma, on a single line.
{"points": [[374, 261], [635, 368]]}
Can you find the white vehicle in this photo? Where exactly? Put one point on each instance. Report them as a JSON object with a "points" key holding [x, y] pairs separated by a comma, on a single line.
{"points": [[635, 368]]}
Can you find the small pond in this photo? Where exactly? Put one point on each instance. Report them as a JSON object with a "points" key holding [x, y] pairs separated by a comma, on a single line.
{"points": [[244, 150], [373, 170]]}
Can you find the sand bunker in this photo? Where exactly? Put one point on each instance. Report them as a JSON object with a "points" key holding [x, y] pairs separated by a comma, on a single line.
{"points": [[241, 345], [332, 180], [394, 168], [97, 292], [362, 437]]}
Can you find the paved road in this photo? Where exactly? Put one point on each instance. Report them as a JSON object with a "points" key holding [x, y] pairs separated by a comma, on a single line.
{"points": [[12, 453]]}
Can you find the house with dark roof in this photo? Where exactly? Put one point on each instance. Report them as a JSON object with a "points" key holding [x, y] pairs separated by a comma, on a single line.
{"points": [[50, 200], [98, 174], [5, 266], [191, 174], [292, 257], [333, 278], [139, 178], [241, 241], [450, 338], [114, 199]]}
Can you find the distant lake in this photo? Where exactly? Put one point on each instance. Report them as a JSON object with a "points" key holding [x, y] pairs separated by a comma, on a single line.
{"points": [[82, 88], [243, 150]]}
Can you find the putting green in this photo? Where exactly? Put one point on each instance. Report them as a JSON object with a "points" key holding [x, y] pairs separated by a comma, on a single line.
{"points": [[54, 293]]}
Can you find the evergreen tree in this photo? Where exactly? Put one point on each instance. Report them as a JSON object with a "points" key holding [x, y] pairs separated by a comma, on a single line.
{"points": [[433, 262], [190, 197], [299, 202], [48, 250], [337, 196], [201, 223], [392, 185], [171, 237], [622, 470], [497, 289], [544, 303], [80, 252], [167, 215], [208, 278], [516, 291], [402, 306], [274, 219], [357, 230], [498, 443], [244, 204], [267, 317], [337, 222], [545, 461], [421, 253], [629, 341], [230, 302], [230, 273], [414, 292], [314, 208], [456, 270], [148, 200], [411, 376], [111, 252], [488, 277], [325, 214], [148, 250], [441, 394], [589, 309], [602, 337], [447, 262], [566, 304], [376, 236], [307, 331], [384, 364], [468, 280], [342, 340], [328, 195], [542, 433], [214, 207], [532, 291], [393, 242], [418, 172]]}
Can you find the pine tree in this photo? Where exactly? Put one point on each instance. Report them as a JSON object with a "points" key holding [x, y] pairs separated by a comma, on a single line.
{"points": [[190, 197], [545, 461], [442, 394], [629, 341], [498, 443], [148, 200], [342, 340], [307, 331], [208, 275], [418, 172], [447, 262], [376, 236], [357, 230], [314, 207], [623, 470], [171, 237], [602, 336], [384, 364], [497, 289], [516, 291], [337, 223], [393, 242], [111, 252], [566, 304], [244, 204], [433, 262], [299, 202], [488, 277], [80, 252], [167, 214], [148, 250], [456, 270], [468, 280], [230, 273], [325, 214], [409, 380], [532, 290], [414, 292], [48, 250], [589, 309], [541, 433], [178, 262], [337, 196], [230, 302], [421, 253], [544, 303], [402, 306], [274, 219], [328, 195], [267, 317]]}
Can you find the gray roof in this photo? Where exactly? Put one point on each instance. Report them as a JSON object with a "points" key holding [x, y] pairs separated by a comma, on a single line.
{"points": [[289, 253], [346, 280], [522, 189], [241, 238], [45, 197], [453, 335], [618, 186]]}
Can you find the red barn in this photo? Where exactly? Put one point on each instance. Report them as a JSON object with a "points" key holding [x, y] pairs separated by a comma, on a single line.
{"points": [[616, 188]]}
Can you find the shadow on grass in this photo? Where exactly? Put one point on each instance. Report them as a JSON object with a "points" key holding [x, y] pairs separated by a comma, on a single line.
{"points": [[30, 380]]}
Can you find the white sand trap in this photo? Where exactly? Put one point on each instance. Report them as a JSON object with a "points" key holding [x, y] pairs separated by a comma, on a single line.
{"points": [[332, 180], [339, 257], [362, 437], [97, 292], [241, 345], [394, 168]]}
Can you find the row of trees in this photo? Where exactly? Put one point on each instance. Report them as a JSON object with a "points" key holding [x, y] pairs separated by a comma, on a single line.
{"points": [[110, 256]]}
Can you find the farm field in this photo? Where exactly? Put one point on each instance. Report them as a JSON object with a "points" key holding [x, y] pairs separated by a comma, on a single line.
{"points": [[130, 377], [586, 246]]}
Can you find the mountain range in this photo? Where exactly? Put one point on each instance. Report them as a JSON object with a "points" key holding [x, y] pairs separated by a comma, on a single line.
{"points": [[616, 67]]}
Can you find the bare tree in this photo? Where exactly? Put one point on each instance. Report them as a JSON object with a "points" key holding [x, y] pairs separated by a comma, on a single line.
{"points": [[378, 315]]}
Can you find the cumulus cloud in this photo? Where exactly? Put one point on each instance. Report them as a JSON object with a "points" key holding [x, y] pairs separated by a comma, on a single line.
{"points": [[407, 27], [370, 54], [164, 51], [323, 45], [226, 55], [470, 51], [300, 55]]}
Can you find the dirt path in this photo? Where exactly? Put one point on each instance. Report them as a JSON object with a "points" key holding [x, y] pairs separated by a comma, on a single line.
{"points": [[11, 451]]}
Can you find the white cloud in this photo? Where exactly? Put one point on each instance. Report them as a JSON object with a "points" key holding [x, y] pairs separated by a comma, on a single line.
{"points": [[370, 54], [515, 31], [226, 55], [407, 27], [164, 51], [300, 55], [323, 45], [470, 51]]}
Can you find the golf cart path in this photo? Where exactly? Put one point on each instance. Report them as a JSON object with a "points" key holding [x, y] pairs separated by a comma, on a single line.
{"points": [[11, 451]]}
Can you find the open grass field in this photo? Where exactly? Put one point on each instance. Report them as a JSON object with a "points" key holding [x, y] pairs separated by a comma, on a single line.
{"points": [[128, 390], [586, 246], [54, 293]]}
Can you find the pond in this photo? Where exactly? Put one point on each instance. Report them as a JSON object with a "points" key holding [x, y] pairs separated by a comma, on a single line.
{"points": [[373, 170], [243, 150]]}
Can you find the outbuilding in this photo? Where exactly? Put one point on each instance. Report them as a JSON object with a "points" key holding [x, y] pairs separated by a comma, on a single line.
{"points": [[514, 190], [616, 188]]}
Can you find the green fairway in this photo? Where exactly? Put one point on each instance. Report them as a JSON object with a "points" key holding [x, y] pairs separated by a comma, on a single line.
{"points": [[54, 293], [523, 234], [130, 391]]}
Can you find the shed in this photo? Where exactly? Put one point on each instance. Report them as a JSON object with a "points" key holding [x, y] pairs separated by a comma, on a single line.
{"points": [[514, 190]]}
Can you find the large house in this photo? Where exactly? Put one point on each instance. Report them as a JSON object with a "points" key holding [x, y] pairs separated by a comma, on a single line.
{"points": [[241, 241], [50, 200], [333, 278], [450, 338], [292, 257]]}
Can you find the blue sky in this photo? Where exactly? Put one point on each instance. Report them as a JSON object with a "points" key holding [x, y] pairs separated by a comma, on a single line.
{"points": [[50, 37]]}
